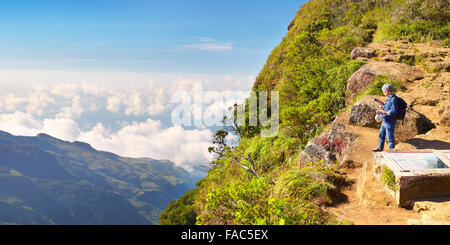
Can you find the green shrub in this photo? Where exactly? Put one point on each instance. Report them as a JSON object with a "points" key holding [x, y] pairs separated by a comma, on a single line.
{"points": [[306, 184], [250, 203], [380, 80], [427, 84], [180, 212], [388, 178], [446, 42]]}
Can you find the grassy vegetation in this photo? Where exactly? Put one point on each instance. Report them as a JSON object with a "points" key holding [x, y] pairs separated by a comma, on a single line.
{"points": [[388, 178], [416, 31], [427, 84], [380, 80], [310, 69], [416, 21], [288, 195], [180, 212]]}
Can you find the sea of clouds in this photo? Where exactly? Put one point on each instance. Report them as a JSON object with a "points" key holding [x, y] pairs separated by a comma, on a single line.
{"points": [[127, 118]]}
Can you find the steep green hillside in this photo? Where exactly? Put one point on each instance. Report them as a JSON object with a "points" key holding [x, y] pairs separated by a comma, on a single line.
{"points": [[310, 68], [44, 180]]}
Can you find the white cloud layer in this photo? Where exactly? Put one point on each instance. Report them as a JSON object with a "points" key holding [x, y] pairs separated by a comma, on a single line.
{"points": [[62, 110], [71, 100], [186, 148]]}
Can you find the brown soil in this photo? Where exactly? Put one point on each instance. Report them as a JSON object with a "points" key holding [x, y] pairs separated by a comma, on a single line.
{"points": [[368, 203]]}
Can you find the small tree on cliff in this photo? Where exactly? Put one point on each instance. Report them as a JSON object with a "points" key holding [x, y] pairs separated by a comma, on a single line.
{"points": [[219, 146]]}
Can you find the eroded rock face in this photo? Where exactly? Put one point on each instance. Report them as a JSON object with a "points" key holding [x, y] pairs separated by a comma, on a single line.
{"points": [[366, 75], [363, 114], [315, 152], [329, 147], [445, 119], [360, 80], [413, 124], [405, 58], [444, 112], [433, 211], [362, 52]]}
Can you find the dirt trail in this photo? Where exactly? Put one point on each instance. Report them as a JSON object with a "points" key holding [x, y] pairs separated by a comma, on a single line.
{"points": [[366, 201]]}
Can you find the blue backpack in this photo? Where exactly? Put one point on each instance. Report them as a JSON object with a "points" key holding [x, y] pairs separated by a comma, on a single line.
{"points": [[401, 108]]}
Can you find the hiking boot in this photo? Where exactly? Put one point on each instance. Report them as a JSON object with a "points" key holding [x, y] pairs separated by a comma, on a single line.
{"points": [[376, 150]]}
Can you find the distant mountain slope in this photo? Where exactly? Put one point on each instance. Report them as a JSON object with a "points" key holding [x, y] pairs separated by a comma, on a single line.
{"points": [[44, 180]]}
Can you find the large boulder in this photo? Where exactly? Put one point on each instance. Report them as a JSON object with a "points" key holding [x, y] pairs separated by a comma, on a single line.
{"points": [[366, 75], [413, 124], [363, 114], [362, 52], [360, 80], [316, 152], [329, 147]]}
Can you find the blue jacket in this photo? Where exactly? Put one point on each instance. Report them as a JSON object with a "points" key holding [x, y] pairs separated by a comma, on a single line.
{"points": [[390, 107]]}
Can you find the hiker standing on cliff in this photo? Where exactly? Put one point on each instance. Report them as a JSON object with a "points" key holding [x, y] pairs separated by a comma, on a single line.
{"points": [[389, 118]]}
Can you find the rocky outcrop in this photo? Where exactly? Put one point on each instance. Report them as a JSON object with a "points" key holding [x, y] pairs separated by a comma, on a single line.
{"points": [[360, 80], [445, 119], [444, 111], [413, 124], [333, 145], [367, 75], [363, 114], [329, 147], [407, 58], [316, 152], [432, 213], [362, 52]]}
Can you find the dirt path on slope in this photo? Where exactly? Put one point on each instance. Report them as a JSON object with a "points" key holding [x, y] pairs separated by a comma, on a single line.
{"points": [[368, 203]]}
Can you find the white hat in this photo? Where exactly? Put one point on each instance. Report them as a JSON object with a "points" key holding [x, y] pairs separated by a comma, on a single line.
{"points": [[378, 118]]}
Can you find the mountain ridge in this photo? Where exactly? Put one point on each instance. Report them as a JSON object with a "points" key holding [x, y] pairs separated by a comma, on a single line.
{"points": [[81, 184]]}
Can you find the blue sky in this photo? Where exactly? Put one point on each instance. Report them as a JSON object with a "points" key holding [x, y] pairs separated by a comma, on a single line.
{"points": [[135, 35], [105, 71]]}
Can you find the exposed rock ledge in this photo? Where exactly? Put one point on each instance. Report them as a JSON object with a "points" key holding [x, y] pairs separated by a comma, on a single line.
{"points": [[329, 147], [333, 145], [363, 114], [362, 52], [367, 74]]}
